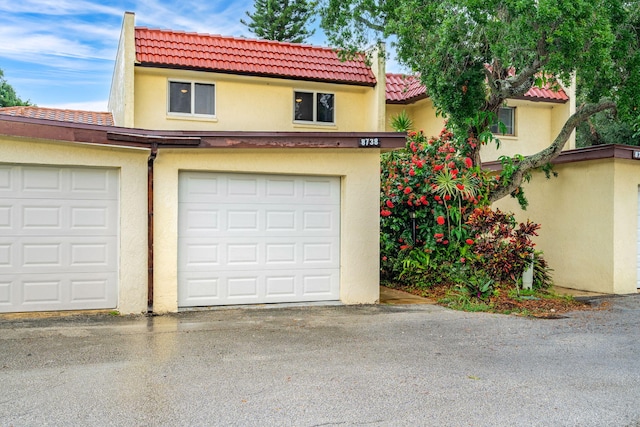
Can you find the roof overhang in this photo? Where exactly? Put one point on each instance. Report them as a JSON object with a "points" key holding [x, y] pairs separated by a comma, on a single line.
{"points": [[596, 152], [254, 74], [40, 129]]}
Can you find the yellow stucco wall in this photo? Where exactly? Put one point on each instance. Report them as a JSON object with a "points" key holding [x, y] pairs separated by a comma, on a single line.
{"points": [[121, 94], [625, 225], [589, 223], [246, 103], [422, 113], [537, 124], [132, 165], [359, 235]]}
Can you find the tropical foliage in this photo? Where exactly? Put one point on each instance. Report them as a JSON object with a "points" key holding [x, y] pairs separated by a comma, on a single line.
{"points": [[436, 223], [473, 55]]}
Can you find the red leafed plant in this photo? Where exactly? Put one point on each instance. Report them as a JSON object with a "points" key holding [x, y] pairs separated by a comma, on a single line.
{"points": [[502, 247], [435, 217]]}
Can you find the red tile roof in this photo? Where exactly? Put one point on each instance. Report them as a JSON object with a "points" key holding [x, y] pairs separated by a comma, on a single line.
{"points": [[546, 94], [74, 116], [405, 89], [247, 56]]}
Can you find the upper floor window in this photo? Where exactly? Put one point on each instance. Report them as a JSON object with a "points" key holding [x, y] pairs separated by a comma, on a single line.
{"points": [[313, 107], [192, 98], [506, 117]]}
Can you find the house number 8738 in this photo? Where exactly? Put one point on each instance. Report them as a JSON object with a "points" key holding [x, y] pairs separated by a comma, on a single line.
{"points": [[369, 142]]}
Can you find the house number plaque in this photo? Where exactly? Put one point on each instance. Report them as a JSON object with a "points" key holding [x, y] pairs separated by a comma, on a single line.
{"points": [[369, 142]]}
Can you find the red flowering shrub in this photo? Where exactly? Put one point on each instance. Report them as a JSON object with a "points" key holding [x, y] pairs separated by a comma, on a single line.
{"points": [[433, 185]]}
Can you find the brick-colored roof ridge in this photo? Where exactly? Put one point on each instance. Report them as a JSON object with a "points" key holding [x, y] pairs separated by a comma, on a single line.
{"points": [[237, 38], [406, 88], [60, 114], [226, 54]]}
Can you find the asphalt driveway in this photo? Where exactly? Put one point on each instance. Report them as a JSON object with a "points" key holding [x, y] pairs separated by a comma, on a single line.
{"points": [[413, 365]]}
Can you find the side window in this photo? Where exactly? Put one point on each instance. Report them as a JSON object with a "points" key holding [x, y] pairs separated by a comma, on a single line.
{"points": [[313, 107], [192, 98], [506, 117]]}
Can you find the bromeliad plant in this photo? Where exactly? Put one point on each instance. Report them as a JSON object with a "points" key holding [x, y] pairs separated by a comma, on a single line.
{"points": [[436, 220]]}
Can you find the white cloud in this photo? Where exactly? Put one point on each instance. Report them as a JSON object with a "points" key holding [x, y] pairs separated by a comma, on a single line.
{"points": [[58, 7], [197, 16]]}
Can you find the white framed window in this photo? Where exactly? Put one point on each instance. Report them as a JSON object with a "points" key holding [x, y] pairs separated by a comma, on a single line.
{"points": [[192, 98], [313, 107], [506, 117]]}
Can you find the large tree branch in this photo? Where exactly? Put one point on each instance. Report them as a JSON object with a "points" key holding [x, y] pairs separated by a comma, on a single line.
{"points": [[369, 24], [551, 152]]}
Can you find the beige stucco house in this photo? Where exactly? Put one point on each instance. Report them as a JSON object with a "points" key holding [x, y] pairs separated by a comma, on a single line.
{"points": [[590, 217], [227, 171], [532, 121]]}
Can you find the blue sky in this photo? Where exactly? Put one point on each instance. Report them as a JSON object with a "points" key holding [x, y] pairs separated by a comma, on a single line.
{"points": [[59, 53]]}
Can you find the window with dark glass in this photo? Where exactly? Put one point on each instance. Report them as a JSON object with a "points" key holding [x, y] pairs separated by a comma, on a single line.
{"points": [[324, 107], [180, 97], [192, 98], [313, 107], [506, 118], [303, 106]]}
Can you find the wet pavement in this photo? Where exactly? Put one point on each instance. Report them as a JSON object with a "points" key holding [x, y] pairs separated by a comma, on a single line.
{"points": [[383, 365]]}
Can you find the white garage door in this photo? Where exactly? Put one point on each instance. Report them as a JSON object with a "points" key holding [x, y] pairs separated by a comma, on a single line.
{"points": [[58, 238], [246, 239]]}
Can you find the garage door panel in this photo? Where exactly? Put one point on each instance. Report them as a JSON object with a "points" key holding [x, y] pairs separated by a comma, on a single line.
{"points": [[320, 283], [199, 288], [200, 254], [39, 254], [59, 238], [204, 187], [200, 219], [44, 182], [248, 239], [242, 287], [37, 292], [6, 292], [197, 187], [58, 217], [7, 179]]}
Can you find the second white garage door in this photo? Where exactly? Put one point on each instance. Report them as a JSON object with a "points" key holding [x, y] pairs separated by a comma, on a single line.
{"points": [[58, 238], [247, 239]]}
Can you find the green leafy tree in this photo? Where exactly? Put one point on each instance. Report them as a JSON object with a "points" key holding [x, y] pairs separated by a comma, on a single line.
{"points": [[473, 55], [282, 20], [8, 97], [605, 128]]}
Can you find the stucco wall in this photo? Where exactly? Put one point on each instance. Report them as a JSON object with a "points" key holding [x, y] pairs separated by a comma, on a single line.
{"points": [[132, 165], [422, 113], [537, 123], [245, 103], [121, 94], [359, 172], [533, 131], [589, 221]]}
